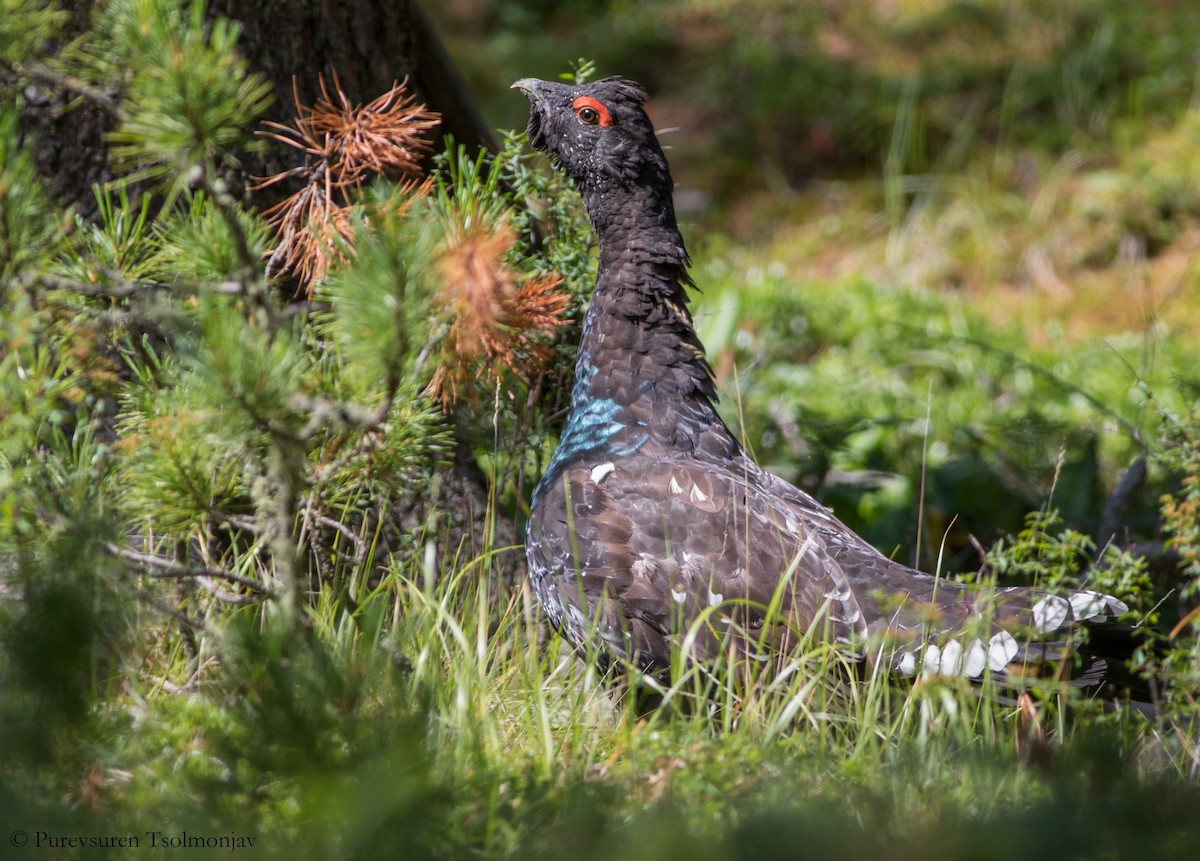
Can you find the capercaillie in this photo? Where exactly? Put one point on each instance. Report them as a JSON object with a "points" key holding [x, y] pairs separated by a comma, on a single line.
{"points": [[651, 522]]}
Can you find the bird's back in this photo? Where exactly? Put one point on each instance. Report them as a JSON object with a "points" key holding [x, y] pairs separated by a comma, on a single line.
{"points": [[638, 552]]}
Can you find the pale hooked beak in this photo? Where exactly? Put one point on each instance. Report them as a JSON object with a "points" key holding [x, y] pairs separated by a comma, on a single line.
{"points": [[531, 87]]}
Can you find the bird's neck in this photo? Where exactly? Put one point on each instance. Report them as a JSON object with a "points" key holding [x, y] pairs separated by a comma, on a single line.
{"points": [[642, 383]]}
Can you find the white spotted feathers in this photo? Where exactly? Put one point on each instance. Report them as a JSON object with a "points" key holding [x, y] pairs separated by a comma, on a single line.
{"points": [[1048, 615]]}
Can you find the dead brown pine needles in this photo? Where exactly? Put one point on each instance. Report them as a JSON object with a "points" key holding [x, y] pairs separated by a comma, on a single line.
{"points": [[493, 316], [344, 145]]}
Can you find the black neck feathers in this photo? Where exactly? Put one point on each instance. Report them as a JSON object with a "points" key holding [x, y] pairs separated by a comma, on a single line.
{"points": [[641, 380]]}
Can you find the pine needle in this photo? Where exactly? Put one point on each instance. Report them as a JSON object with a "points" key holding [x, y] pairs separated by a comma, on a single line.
{"points": [[344, 146], [494, 319]]}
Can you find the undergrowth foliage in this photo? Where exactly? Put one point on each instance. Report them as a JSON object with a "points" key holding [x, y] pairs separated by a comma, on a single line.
{"points": [[187, 454], [1180, 659], [212, 617]]}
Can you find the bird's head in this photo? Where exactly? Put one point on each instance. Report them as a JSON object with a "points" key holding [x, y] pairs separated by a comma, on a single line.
{"points": [[600, 136]]}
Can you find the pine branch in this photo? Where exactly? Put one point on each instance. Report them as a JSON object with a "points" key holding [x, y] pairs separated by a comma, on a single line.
{"points": [[369, 441], [191, 686], [117, 287], [245, 524], [161, 568], [343, 145], [494, 320], [40, 73], [177, 615], [324, 412], [360, 546], [253, 281], [276, 494], [311, 514]]}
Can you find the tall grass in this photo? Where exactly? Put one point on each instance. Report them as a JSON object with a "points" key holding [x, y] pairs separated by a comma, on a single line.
{"points": [[524, 743]]}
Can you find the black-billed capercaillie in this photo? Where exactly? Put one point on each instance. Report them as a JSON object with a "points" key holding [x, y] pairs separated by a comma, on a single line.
{"points": [[650, 520]]}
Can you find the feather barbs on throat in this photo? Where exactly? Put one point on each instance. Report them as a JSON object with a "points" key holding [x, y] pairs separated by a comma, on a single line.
{"points": [[591, 112]]}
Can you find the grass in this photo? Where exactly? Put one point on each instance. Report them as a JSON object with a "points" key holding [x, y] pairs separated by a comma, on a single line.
{"points": [[1022, 236], [439, 718], [429, 711]]}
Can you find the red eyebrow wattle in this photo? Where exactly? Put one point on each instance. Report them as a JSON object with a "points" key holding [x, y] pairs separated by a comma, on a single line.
{"points": [[588, 102]]}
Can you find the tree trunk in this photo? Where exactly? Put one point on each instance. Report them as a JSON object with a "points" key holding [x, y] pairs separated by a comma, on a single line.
{"points": [[370, 45]]}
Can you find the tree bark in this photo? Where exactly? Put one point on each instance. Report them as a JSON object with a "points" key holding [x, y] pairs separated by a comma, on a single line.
{"points": [[370, 45], [71, 153]]}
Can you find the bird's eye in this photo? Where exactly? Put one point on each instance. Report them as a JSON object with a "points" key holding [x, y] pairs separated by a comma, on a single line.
{"points": [[591, 112]]}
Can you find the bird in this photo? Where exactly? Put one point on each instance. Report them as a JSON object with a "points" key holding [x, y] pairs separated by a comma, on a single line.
{"points": [[652, 530]]}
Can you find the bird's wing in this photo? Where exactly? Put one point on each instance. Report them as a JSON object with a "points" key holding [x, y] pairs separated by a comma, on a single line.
{"points": [[647, 545], [654, 551]]}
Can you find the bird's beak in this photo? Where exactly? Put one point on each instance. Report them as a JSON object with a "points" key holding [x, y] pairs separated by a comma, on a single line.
{"points": [[531, 87], [539, 109]]}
